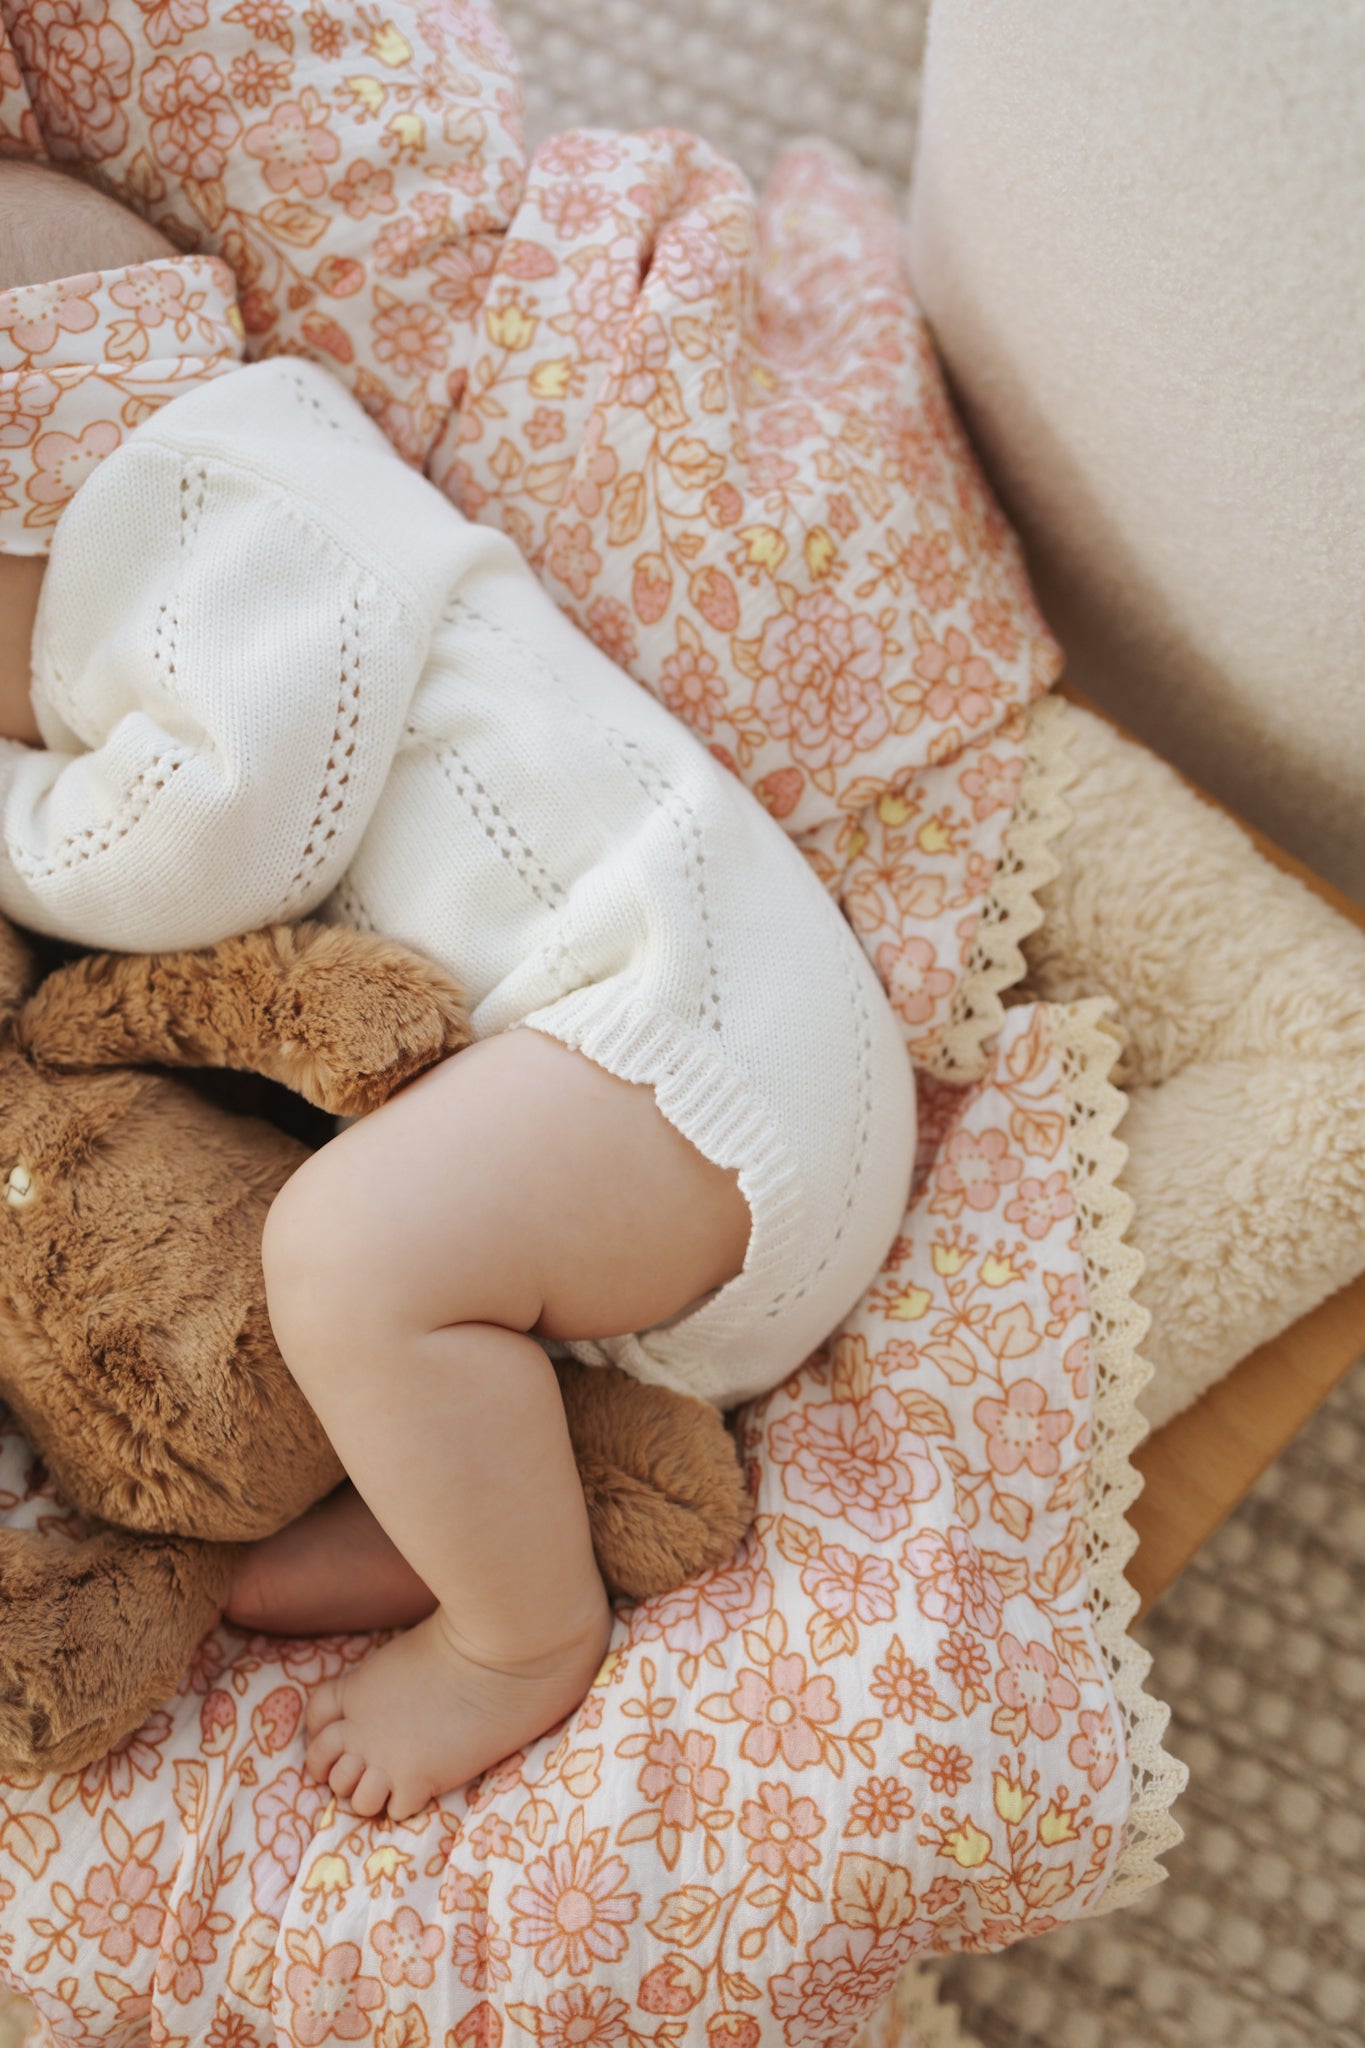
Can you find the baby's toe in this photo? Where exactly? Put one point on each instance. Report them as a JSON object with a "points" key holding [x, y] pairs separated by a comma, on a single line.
{"points": [[324, 1706], [346, 1773], [371, 1794], [327, 1748], [409, 1797]]}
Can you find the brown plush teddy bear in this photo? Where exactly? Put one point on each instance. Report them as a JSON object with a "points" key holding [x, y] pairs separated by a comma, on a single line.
{"points": [[135, 1349]]}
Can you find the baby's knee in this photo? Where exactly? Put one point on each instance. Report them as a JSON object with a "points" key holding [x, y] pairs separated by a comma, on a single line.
{"points": [[314, 1259]]}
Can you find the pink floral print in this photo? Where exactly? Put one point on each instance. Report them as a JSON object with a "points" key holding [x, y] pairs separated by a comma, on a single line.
{"points": [[84, 361], [883, 1730], [715, 426]]}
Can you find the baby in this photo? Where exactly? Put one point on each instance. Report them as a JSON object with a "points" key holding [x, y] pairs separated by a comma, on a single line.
{"points": [[271, 671]]}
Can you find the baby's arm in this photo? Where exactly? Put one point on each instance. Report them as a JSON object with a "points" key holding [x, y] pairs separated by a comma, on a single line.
{"points": [[21, 580], [221, 687]]}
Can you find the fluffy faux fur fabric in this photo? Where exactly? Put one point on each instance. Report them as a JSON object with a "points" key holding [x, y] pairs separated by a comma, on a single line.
{"points": [[1242, 999]]}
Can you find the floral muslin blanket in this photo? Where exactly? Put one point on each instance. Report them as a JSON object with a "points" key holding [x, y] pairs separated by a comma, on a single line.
{"points": [[908, 1717]]}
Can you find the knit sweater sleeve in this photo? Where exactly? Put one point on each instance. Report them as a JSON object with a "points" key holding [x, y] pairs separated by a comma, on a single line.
{"points": [[223, 682]]}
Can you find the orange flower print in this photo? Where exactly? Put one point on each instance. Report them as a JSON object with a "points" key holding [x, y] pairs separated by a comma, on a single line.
{"points": [[573, 559], [880, 1805], [1095, 1750], [64, 461], [903, 1687], [154, 293], [961, 684], [993, 625], [286, 1813], [948, 1767], [992, 785], [573, 1909], [120, 1910], [577, 154], [33, 315], [1076, 1366], [785, 426], [25, 401], [699, 1615], [965, 1661], [601, 299], [491, 1837], [79, 67], [781, 1830], [481, 1956], [843, 1585], [574, 210], [691, 259], [1039, 1204], [170, 21], [193, 125], [848, 1973], [643, 353], [331, 2003], [1034, 1684], [545, 425], [819, 688], [1065, 1299], [680, 1776], [187, 1943], [413, 338], [268, 19], [326, 35], [929, 564], [785, 1711], [578, 2018], [365, 189], [612, 627], [294, 144], [460, 274], [406, 1946], [254, 83], [856, 1459], [1022, 1429], [975, 1166], [842, 516], [954, 1582], [909, 976], [691, 684], [230, 2030]]}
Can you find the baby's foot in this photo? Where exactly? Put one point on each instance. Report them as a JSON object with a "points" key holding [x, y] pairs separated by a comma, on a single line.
{"points": [[422, 1716], [331, 1571]]}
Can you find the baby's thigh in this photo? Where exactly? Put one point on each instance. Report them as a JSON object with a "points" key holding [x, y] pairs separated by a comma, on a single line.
{"points": [[517, 1183]]}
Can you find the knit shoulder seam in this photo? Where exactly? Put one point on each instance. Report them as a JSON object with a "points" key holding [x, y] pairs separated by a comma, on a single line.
{"points": [[302, 508]]}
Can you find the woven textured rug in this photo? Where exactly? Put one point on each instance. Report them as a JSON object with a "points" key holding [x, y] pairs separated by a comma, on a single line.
{"points": [[749, 75]]}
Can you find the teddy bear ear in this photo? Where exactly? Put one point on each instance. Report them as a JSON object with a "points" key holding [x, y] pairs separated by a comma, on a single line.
{"points": [[18, 970]]}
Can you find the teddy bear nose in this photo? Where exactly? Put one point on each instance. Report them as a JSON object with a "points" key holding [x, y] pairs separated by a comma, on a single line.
{"points": [[20, 1188]]}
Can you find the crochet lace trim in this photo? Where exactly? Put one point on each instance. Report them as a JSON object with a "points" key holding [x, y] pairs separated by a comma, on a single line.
{"points": [[1012, 910], [1087, 1042]]}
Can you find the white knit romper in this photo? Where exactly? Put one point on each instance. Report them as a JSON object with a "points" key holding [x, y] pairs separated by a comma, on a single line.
{"points": [[278, 673]]}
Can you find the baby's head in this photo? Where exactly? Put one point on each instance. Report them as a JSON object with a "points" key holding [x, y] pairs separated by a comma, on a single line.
{"points": [[52, 226]]}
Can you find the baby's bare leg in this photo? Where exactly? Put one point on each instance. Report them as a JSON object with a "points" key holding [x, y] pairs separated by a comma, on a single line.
{"points": [[517, 1188], [329, 1572]]}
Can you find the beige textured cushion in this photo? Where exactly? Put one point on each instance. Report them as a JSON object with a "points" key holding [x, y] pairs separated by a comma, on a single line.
{"points": [[1139, 235]]}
